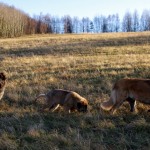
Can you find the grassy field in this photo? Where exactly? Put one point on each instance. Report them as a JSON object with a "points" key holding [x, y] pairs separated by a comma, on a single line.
{"points": [[88, 64]]}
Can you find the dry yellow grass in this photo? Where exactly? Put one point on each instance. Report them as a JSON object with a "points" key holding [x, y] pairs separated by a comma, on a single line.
{"points": [[88, 64]]}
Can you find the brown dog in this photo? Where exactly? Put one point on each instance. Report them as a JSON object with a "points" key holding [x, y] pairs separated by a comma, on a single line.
{"points": [[128, 90], [2, 84], [70, 100]]}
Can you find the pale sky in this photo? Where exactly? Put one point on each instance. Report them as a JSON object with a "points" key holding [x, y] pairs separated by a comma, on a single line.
{"points": [[80, 8]]}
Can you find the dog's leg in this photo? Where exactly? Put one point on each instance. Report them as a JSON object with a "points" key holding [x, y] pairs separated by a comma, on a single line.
{"points": [[67, 109], [132, 103], [68, 103], [115, 106], [56, 108], [133, 107], [48, 106]]}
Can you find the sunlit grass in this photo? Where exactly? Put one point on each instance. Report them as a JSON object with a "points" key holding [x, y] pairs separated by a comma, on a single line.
{"points": [[88, 64]]}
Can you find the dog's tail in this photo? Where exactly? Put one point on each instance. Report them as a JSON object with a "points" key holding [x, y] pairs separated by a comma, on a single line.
{"points": [[107, 105], [41, 95]]}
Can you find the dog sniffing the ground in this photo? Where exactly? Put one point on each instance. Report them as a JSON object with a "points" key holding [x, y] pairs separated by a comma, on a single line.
{"points": [[71, 101]]}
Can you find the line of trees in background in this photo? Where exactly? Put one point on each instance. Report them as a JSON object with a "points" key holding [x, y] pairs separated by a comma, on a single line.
{"points": [[14, 22]]}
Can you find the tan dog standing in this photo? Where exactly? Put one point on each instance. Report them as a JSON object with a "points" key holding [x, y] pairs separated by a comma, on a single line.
{"points": [[2, 84], [70, 100], [130, 90]]}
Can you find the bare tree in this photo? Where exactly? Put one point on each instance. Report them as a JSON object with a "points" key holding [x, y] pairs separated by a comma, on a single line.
{"points": [[47, 19], [76, 24], [145, 20], [97, 24], [68, 28], [127, 22], [83, 24], [135, 21], [117, 23]]}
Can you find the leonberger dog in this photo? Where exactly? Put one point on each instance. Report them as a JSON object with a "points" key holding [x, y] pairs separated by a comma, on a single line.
{"points": [[71, 101], [2, 84], [130, 90]]}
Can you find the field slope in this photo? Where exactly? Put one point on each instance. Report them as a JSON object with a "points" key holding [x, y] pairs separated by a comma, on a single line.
{"points": [[88, 64]]}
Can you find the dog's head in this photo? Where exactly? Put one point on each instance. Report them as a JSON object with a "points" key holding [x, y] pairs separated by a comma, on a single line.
{"points": [[82, 106]]}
